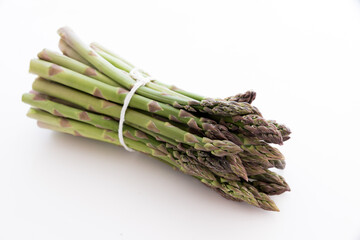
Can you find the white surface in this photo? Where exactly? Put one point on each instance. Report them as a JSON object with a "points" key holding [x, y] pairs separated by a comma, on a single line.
{"points": [[302, 58]]}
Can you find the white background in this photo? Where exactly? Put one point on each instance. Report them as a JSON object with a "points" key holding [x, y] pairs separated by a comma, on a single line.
{"points": [[302, 58]]}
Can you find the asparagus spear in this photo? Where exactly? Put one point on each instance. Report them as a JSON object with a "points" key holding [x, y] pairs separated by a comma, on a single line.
{"points": [[131, 136], [210, 106], [270, 183], [122, 77], [271, 177], [270, 188], [233, 163], [252, 123], [107, 108], [285, 131], [280, 164], [262, 150], [225, 167], [122, 64], [255, 126], [45, 103], [235, 190], [127, 68], [232, 167], [216, 147], [74, 65], [116, 94], [114, 60], [252, 168], [270, 134], [228, 167], [239, 191], [209, 127]]}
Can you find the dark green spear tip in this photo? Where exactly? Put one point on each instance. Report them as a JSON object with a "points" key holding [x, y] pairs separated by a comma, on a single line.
{"points": [[268, 134], [245, 194], [279, 164], [253, 169], [271, 188], [237, 166], [257, 126], [269, 151], [267, 204], [218, 165], [195, 170], [220, 132], [285, 131], [238, 191], [270, 177], [248, 97], [226, 108], [264, 201]]}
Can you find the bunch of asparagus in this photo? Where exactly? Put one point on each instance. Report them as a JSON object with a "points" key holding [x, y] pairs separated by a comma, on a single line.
{"points": [[224, 143]]}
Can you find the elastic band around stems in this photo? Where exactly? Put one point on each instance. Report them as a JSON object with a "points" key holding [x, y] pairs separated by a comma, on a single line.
{"points": [[138, 75]]}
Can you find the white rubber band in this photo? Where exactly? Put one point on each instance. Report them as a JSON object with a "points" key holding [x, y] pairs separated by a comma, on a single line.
{"points": [[138, 75]]}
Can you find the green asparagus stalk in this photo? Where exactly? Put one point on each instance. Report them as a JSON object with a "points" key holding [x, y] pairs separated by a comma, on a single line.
{"points": [[211, 130], [216, 147], [209, 106], [253, 124], [116, 94], [228, 167], [236, 190], [127, 68], [122, 77], [43, 102], [101, 106], [132, 138], [121, 63], [76, 66]]}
